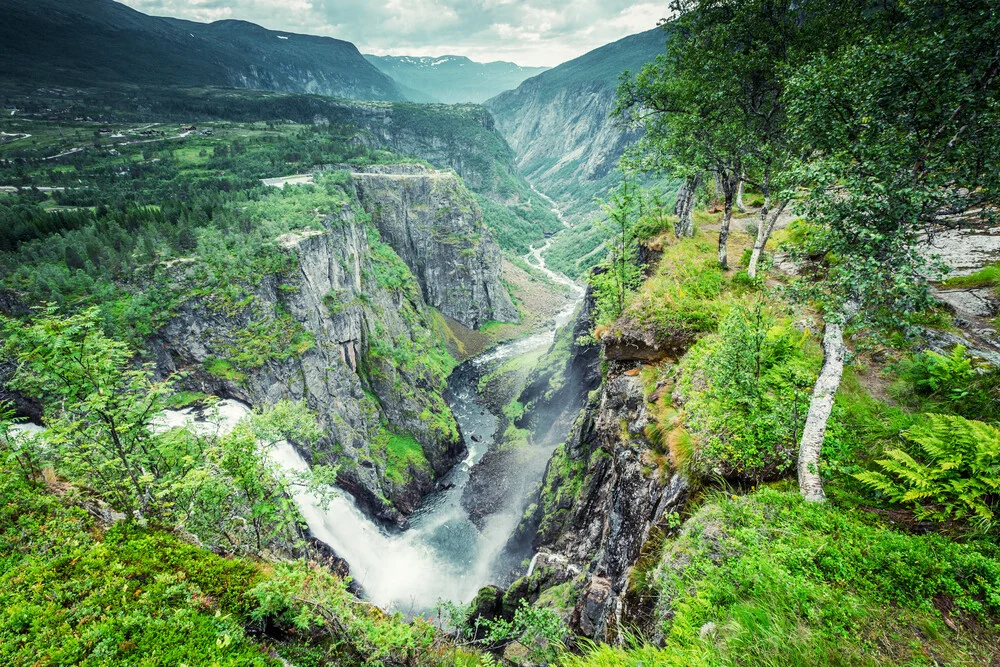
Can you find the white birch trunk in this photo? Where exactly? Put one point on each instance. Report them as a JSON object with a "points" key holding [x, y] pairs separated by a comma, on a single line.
{"points": [[764, 231], [820, 407], [684, 208], [724, 235], [739, 197]]}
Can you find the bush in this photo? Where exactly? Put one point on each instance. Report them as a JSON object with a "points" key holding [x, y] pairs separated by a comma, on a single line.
{"points": [[951, 383], [748, 393], [949, 471]]}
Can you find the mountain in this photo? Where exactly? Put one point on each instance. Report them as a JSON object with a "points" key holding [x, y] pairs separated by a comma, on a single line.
{"points": [[558, 122], [453, 79], [96, 42]]}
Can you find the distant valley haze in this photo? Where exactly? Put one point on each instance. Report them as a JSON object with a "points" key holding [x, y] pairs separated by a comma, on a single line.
{"points": [[530, 33]]}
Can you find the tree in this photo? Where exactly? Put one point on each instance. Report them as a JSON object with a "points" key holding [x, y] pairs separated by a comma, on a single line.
{"points": [[716, 100], [623, 274], [689, 126], [98, 407], [904, 127], [100, 414]]}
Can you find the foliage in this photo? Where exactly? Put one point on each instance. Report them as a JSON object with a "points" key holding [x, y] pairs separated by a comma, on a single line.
{"points": [[687, 294], [311, 600], [102, 432], [988, 276], [622, 274], [952, 383], [892, 158], [786, 582], [540, 629], [73, 594], [748, 390], [950, 470]]}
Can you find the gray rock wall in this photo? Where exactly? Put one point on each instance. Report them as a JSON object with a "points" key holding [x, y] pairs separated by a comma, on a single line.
{"points": [[351, 374], [434, 224]]}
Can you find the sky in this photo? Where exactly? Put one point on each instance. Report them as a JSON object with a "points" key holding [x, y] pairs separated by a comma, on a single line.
{"points": [[528, 32]]}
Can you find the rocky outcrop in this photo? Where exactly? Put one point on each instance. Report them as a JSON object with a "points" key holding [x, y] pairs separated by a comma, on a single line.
{"points": [[633, 340], [436, 227], [348, 331], [603, 493]]}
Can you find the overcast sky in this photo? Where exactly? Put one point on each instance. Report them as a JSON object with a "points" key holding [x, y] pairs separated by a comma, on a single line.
{"points": [[528, 32]]}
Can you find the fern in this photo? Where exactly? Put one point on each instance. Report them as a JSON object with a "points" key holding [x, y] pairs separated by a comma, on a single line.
{"points": [[949, 471]]}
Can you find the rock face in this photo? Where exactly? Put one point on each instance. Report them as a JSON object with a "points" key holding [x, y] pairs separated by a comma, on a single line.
{"points": [[605, 489], [558, 122], [438, 230], [365, 364]]}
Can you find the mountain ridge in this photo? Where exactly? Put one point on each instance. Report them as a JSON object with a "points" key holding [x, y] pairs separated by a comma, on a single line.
{"points": [[558, 121], [106, 42], [453, 79]]}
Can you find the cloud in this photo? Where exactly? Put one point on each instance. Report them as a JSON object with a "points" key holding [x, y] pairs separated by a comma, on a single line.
{"points": [[529, 32]]}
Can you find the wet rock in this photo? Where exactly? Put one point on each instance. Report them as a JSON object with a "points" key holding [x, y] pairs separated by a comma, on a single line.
{"points": [[595, 608]]}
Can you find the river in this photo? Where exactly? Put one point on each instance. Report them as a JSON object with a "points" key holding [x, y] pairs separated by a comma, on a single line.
{"points": [[442, 555]]}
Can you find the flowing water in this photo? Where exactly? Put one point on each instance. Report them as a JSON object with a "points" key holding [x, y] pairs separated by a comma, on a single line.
{"points": [[443, 555]]}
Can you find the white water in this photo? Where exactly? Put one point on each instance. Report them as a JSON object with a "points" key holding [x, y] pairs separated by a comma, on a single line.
{"points": [[442, 555]]}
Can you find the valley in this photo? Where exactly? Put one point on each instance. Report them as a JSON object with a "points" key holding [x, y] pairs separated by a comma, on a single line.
{"points": [[680, 350]]}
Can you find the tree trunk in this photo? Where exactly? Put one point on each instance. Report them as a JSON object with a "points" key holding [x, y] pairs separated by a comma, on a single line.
{"points": [[728, 181], [739, 196], [820, 407], [764, 230], [724, 235], [684, 208]]}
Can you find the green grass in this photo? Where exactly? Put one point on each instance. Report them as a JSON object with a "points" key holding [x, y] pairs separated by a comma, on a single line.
{"points": [[72, 594], [75, 592], [403, 454], [988, 276], [222, 369], [792, 583]]}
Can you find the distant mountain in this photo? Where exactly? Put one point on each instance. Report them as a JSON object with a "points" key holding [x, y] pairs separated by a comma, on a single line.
{"points": [[453, 79], [558, 122], [95, 42]]}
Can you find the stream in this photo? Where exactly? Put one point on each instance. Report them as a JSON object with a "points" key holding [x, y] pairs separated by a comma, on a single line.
{"points": [[443, 555]]}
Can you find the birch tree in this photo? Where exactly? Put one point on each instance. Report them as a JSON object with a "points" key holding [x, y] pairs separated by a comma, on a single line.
{"points": [[905, 127]]}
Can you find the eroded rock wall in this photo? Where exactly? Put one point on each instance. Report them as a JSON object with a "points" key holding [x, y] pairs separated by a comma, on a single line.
{"points": [[362, 348]]}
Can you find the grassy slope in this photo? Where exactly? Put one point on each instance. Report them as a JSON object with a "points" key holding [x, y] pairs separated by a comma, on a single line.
{"points": [[74, 592], [762, 578]]}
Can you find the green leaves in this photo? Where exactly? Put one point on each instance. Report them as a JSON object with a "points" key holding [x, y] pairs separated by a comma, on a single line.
{"points": [[748, 393], [950, 470]]}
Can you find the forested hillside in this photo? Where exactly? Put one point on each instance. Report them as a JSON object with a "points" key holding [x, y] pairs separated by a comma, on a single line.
{"points": [[93, 42], [294, 380]]}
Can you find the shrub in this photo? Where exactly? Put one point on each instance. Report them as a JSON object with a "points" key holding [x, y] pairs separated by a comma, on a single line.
{"points": [[952, 383], [950, 471], [756, 379]]}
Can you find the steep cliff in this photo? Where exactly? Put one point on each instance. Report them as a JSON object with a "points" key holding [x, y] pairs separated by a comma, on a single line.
{"points": [[607, 490], [437, 229], [344, 326], [558, 122]]}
